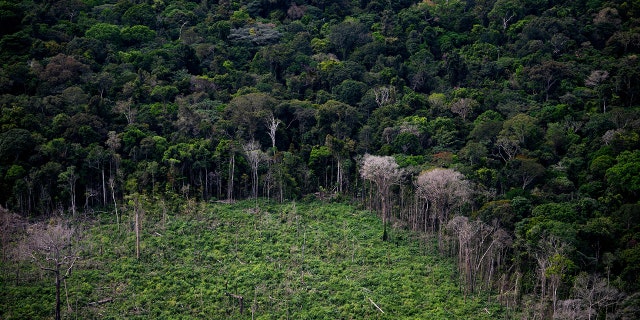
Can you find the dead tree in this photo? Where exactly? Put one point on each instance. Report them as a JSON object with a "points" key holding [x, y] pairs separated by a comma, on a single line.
{"points": [[383, 171], [254, 156], [50, 246], [272, 124], [240, 300], [445, 190]]}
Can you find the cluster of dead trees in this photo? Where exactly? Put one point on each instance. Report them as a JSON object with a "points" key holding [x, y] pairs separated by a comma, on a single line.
{"points": [[440, 203], [440, 195]]}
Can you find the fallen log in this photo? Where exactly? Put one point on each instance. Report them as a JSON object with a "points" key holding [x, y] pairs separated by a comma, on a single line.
{"points": [[99, 302]]}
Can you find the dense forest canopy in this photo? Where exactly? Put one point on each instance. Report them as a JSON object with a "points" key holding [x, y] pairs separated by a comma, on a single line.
{"points": [[532, 106]]}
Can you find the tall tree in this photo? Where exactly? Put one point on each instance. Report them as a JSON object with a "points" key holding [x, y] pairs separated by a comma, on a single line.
{"points": [[444, 190], [254, 156], [384, 172], [69, 178], [272, 125]]}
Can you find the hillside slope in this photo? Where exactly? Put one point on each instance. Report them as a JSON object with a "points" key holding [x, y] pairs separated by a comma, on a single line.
{"points": [[291, 261]]}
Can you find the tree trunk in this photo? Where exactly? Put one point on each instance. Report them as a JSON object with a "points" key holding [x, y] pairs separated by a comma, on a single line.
{"points": [[104, 190], [230, 181], [57, 274], [115, 203], [385, 217], [72, 189], [339, 177], [137, 226]]}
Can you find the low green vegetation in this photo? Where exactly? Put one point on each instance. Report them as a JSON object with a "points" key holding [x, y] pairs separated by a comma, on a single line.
{"points": [[271, 261]]}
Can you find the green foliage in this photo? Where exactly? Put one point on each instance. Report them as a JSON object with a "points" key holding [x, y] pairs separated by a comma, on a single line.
{"points": [[284, 260], [624, 176], [137, 34], [104, 32]]}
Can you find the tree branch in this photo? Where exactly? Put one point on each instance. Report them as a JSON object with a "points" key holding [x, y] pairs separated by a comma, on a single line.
{"points": [[68, 273], [375, 305]]}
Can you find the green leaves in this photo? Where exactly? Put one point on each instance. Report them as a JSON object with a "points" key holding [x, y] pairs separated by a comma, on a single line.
{"points": [[624, 176], [104, 32]]}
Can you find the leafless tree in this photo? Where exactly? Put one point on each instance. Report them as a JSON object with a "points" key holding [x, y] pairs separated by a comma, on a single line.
{"points": [[552, 263], [126, 108], [463, 107], [384, 95], [592, 294], [137, 211], [444, 190], [112, 187], [481, 250], [272, 124], [596, 80], [507, 148], [232, 170], [50, 245], [254, 156], [384, 172]]}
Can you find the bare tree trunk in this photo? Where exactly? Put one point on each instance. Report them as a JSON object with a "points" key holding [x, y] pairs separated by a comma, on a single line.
{"points": [[206, 183], [232, 164], [104, 189], [137, 227], [164, 213], [339, 176], [112, 185], [57, 275]]}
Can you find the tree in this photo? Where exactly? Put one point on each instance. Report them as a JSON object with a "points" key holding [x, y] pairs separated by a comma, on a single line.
{"points": [[69, 178], [246, 112], [624, 176], [254, 156], [104, 32], [137, 34], [522, 128], [340, 149], [15, 144], [384, 95], [51, 247], [524, 170], [593, 294], [227, 148], [444, 190], [139, 14], [504, 12], [463, 107], [546, 76], [347, 35], [550, 255], [597, 80], [62, 69], [350, 91], [384, 172], [272, 125], [481, 251]]}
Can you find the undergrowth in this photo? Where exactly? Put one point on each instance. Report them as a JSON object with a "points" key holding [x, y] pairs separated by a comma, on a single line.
{"points": [[246, 260]]}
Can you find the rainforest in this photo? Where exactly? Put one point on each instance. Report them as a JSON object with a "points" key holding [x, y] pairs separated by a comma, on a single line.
{"points": [[435, 159]]}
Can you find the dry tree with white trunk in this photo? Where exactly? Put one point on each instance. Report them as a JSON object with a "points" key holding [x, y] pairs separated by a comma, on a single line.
{"points": [[444, 190], [384, 172]]}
